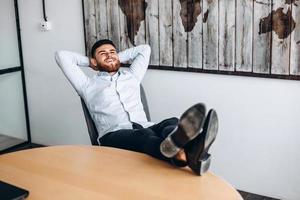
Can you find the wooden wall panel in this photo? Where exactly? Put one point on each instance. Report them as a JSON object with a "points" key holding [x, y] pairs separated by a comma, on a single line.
{"points": [[179, 34], [210, 35], [226, 35], [281, 40], [152, 27], [113, 22], [194, 36], [124, 35], [262, 37], [240, 37], [244, 35], [295, 41], [139, 7], [100, 17], [90, 23], [165, 33]]}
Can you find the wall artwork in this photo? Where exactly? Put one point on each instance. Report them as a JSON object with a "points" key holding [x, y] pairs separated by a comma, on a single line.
{"points": [[237, 37]]}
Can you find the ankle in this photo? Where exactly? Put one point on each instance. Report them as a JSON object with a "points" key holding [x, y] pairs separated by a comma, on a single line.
{"points": [[180, 156]]}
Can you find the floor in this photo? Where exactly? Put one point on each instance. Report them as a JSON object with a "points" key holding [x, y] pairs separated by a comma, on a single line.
{"points": [[251, 196], [7, 142], [19, 147], [245, 195]]}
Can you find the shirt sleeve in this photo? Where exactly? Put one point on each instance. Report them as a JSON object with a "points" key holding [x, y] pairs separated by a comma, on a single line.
{"points": [[139, 56], [69, 63]]}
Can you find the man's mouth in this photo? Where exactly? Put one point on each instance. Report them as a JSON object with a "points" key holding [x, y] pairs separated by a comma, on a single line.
{"points": [[109, 60]]}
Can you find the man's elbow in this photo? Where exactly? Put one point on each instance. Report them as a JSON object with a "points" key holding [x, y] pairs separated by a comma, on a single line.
{"points": [[59, 55], [146, 49]]}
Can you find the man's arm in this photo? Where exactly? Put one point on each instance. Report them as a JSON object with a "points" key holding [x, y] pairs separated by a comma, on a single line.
{"points": [[69, 63], [139, 56]]}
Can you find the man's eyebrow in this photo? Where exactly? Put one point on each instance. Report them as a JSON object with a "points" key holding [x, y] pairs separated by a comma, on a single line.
{"points": [[105, 50]]}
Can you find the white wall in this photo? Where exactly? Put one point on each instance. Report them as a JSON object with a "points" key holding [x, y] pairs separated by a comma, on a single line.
{"points": [[54, 107], [257, 149]]}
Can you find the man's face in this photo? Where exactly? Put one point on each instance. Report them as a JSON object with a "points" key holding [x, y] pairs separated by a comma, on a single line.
{"points": [[106, 58]]}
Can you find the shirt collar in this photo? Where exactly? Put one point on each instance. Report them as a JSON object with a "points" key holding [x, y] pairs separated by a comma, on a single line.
{"points": [[107, 76]]}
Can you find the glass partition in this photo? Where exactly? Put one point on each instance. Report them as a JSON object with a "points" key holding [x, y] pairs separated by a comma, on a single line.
{"points": [[14, 124], [12, 114], [9, 52]]}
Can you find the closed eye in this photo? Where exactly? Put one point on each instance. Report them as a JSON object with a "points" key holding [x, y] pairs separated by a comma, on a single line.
{"points": [[112, 51]]}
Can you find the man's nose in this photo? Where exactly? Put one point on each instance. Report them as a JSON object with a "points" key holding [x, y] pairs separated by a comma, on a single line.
{"points": [[108, 54]]}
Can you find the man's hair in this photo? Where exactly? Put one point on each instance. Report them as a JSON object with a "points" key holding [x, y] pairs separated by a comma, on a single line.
{"points": [[100, 43]]}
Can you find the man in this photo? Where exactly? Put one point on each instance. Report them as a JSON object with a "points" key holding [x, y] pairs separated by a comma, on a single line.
{"points": [[113, 99]]}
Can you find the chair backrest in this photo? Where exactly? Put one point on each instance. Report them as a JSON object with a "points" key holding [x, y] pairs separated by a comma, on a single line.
{"points": [[91, 125]]}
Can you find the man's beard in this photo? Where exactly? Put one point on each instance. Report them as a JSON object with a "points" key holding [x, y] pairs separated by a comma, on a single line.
{"points": [[111, 67]]}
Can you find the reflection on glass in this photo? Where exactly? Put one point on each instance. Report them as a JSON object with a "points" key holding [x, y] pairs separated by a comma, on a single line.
{"points": [[12, 114], [9, 52]]}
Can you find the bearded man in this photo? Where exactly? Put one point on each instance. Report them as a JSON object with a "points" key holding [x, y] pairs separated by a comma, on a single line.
{"points": [[113, 99]]}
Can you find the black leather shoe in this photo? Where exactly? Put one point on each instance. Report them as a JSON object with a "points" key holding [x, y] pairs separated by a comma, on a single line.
{"points": [[189, 126], [197, 155], [178, 163]]}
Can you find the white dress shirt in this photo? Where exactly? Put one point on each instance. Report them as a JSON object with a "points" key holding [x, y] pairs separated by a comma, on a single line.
{"points": [[114, 101]]}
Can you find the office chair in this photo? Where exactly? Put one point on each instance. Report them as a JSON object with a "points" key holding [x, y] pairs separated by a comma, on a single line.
{"points": [[91, 125]]}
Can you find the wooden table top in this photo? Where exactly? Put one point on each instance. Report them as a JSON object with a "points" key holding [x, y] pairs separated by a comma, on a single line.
{"points": [[91, 172]]}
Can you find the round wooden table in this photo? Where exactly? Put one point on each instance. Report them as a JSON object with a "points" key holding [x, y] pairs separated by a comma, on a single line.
{"points": [[91, 172]]}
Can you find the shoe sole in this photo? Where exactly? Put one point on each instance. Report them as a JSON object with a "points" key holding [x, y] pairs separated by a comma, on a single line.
{"points": [[204, 157], [212, 130], [189, 127]]}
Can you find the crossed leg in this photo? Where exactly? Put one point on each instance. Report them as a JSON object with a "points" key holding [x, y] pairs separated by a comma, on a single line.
{"points": [[143, 140]]}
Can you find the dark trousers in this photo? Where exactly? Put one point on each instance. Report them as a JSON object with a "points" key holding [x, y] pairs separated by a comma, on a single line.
{"points": [[139, 139]]}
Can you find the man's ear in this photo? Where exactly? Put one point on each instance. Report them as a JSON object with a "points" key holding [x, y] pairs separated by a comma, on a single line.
{"points": [[93, 64]]}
